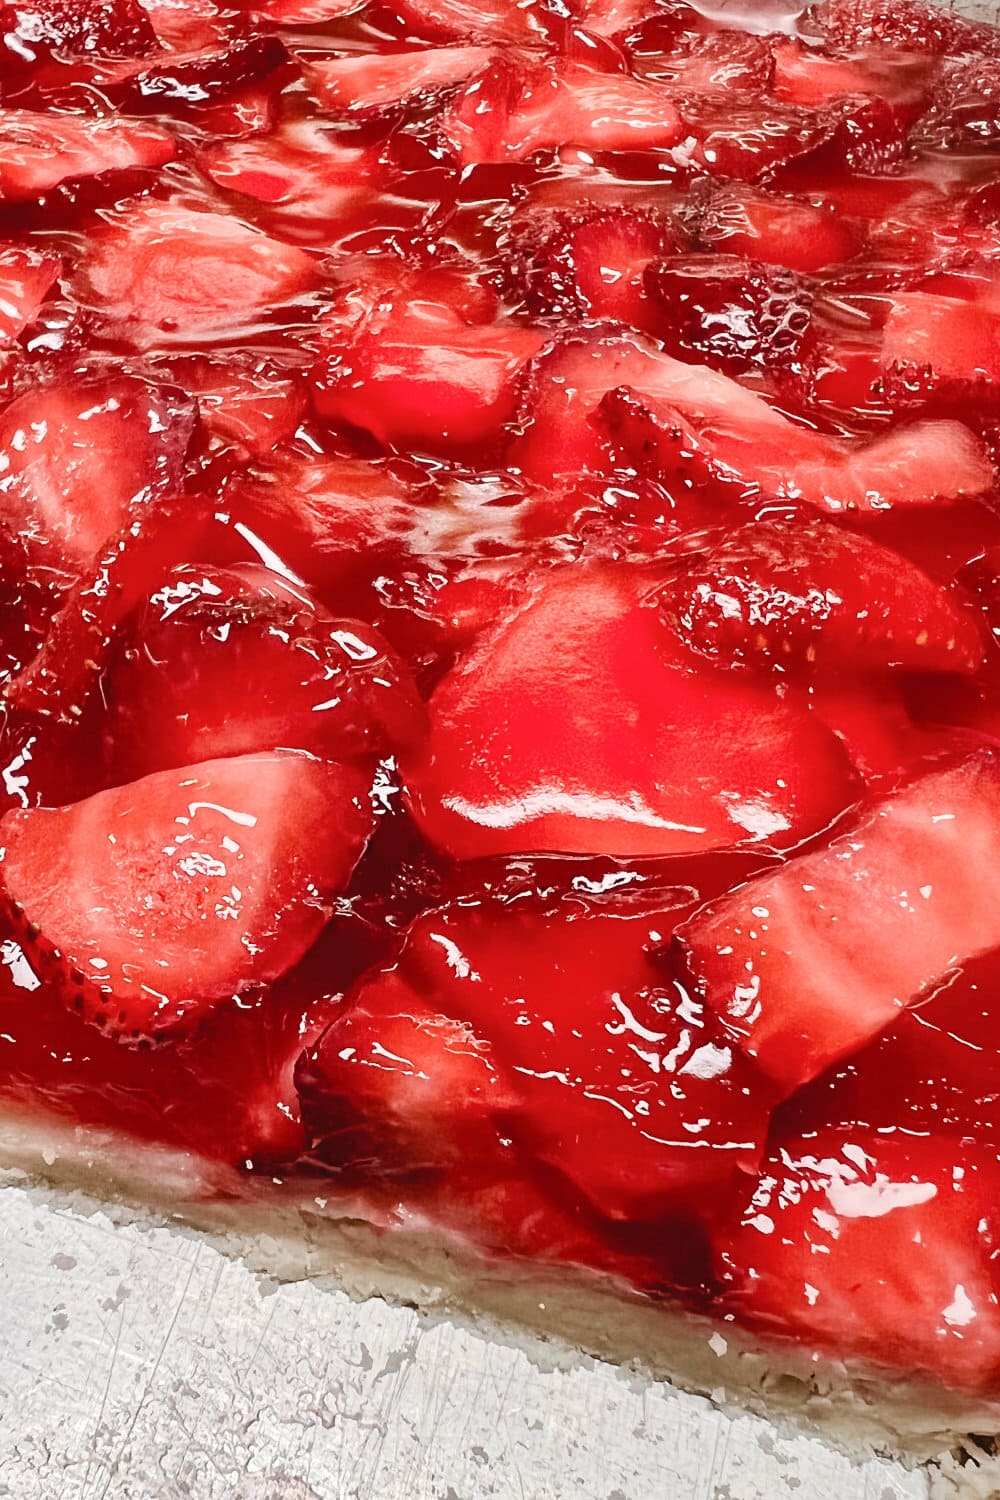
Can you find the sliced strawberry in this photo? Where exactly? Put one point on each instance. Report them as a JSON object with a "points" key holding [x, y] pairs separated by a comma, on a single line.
{"points": [[327, 520], [38, 152], [462, 20], [810, 76], [186, 81], [806, 593], [154, 901], [589, 264], [246, 401], [873, 1246], [806, 965], [77, 455], [396, 1089], [299, 12], [909, 25], [965, 109], [939, 345], [511, 111], [330, 523], [749, 142], [926, 463], [424, 380], [591, 1060], [221, 662], [26, 278], [182, 268], [300, 170], [112, 28], [733, 313], [372, 82], [713, 63], [736, 220], [519, 758], [185, 25], [374, 292]]}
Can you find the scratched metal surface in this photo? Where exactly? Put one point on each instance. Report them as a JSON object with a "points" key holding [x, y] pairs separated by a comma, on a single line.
{"points": [[143, 1365]]}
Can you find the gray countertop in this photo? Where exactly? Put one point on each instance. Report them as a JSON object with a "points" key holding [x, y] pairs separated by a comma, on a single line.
{"points": [[142, 1365]]}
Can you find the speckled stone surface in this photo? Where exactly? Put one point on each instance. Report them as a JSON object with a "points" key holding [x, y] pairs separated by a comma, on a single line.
{"points": [[143, 1365]]}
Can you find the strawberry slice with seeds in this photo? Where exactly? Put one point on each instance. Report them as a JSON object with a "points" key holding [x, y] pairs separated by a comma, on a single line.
{"points": [[942, 345], [589, 265], [874, 1246], [908, 25], [737, 220], [26, 278], [150, 903], [181, 268], [592, 1061], [76, 456], [519, 758], [740, 140], [965, 107], [112, 28], [926, 463], [735, 314], [329, 524], [38, 152], [373, 82], [225, 662], [805, 593], [808, 964], [510, 111]]}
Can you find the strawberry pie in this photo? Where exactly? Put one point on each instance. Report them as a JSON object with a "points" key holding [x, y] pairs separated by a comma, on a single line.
{"points": [[500, 652]]}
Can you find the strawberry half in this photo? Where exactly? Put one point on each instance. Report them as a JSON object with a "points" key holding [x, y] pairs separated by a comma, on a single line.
{"points": [[807, 964], [395, 1088], [39, 152], [180, 268], [511, 110], [246, 402], [152, 902], [299, 170], [78, 454], [874, 1246], [519, 758], [805, 593], [591, 1060], [225, 662], [185, 82]]}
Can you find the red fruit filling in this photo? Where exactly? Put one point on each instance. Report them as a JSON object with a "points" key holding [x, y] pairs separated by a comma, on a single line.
{"points": [[499, 616]]}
